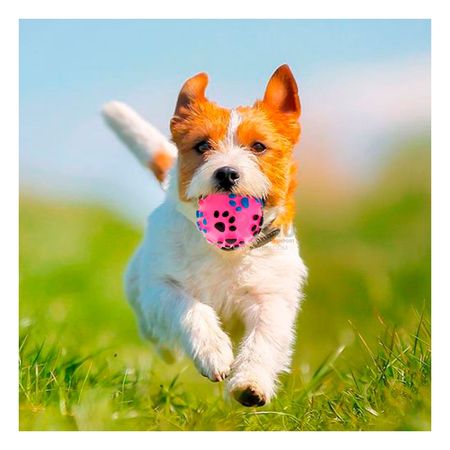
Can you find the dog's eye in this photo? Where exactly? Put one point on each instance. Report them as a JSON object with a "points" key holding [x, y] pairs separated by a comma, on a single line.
{"points": [[258, 147], [202, 147]]}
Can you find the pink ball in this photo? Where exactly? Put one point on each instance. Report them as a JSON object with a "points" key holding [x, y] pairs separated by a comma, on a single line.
{"points": [[229, 220]]}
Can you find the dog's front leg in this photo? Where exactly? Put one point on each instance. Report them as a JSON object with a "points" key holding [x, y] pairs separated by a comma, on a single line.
{"points": [[170, 315], [266, 349]]}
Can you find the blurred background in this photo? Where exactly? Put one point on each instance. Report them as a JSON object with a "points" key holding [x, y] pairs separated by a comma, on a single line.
{"points": [[363, 215]]}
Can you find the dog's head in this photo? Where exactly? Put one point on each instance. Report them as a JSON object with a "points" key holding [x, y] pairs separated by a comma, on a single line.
{"points": [[246, 151]]}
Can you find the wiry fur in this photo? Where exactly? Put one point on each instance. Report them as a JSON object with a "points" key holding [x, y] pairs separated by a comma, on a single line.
{"points": [[150, 147], [253, 182], [182, 288]]}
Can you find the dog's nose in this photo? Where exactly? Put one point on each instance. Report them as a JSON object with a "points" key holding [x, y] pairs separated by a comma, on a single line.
{"points": [[226, 177]]}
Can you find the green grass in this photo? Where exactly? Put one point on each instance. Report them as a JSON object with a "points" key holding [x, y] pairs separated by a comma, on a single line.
{"points": [[362, 361]]}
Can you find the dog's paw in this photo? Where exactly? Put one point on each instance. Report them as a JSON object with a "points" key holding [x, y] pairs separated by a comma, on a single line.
{"points": [[249, 396], [214, 359], [252, 386], [216, 374]]}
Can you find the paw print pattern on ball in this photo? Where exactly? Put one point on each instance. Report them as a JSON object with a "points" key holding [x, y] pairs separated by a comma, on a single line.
{"points": [[229, 220]]}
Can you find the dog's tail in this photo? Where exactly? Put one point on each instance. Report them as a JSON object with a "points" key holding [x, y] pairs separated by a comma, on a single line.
{"points": [[150, 146]]}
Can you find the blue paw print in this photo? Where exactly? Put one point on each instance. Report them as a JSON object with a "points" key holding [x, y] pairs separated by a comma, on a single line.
{"points": [[245, 202]]}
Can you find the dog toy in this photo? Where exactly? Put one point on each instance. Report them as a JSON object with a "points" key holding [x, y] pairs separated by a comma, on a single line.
{"points": [[229, 221]]}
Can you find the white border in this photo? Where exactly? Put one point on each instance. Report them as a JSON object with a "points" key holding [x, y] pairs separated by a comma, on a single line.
{"points": [[224, 9], [283, 9]]}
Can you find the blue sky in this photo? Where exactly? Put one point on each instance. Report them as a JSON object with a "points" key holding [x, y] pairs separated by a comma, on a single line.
{"points": [[69, 68]]}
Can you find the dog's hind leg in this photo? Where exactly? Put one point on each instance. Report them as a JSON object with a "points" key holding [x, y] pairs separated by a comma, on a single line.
{"points": [[133, 293]]}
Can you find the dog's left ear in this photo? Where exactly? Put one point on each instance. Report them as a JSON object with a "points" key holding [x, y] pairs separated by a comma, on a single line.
{"points": [[282, 92]]}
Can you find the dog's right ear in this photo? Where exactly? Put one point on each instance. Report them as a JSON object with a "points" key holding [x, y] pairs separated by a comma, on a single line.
{"points": [[193, 91]]}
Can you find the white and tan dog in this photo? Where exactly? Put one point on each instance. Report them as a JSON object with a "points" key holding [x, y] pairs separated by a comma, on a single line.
{"points": [[181, 287]]}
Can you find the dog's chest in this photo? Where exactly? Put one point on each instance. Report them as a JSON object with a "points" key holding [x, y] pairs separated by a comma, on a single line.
{"points": [[212, 276], [214, 279]]}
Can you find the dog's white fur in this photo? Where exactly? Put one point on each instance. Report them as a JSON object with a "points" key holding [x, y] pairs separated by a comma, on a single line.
{"points": [[182, 288]]}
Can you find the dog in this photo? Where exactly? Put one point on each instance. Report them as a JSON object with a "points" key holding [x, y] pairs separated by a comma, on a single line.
{"points": [[182, 288]]}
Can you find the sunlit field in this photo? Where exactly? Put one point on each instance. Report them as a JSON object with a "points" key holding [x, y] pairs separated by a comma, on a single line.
{"points": [[363, 354]]}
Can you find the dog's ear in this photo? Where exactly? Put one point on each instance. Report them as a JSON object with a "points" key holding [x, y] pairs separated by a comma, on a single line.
{"points": [[193, 91], [282, 92]]}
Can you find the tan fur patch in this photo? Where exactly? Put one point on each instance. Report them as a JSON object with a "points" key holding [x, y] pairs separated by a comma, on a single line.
{"points": [[161, 163], [279, 133], [206, 121]]}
